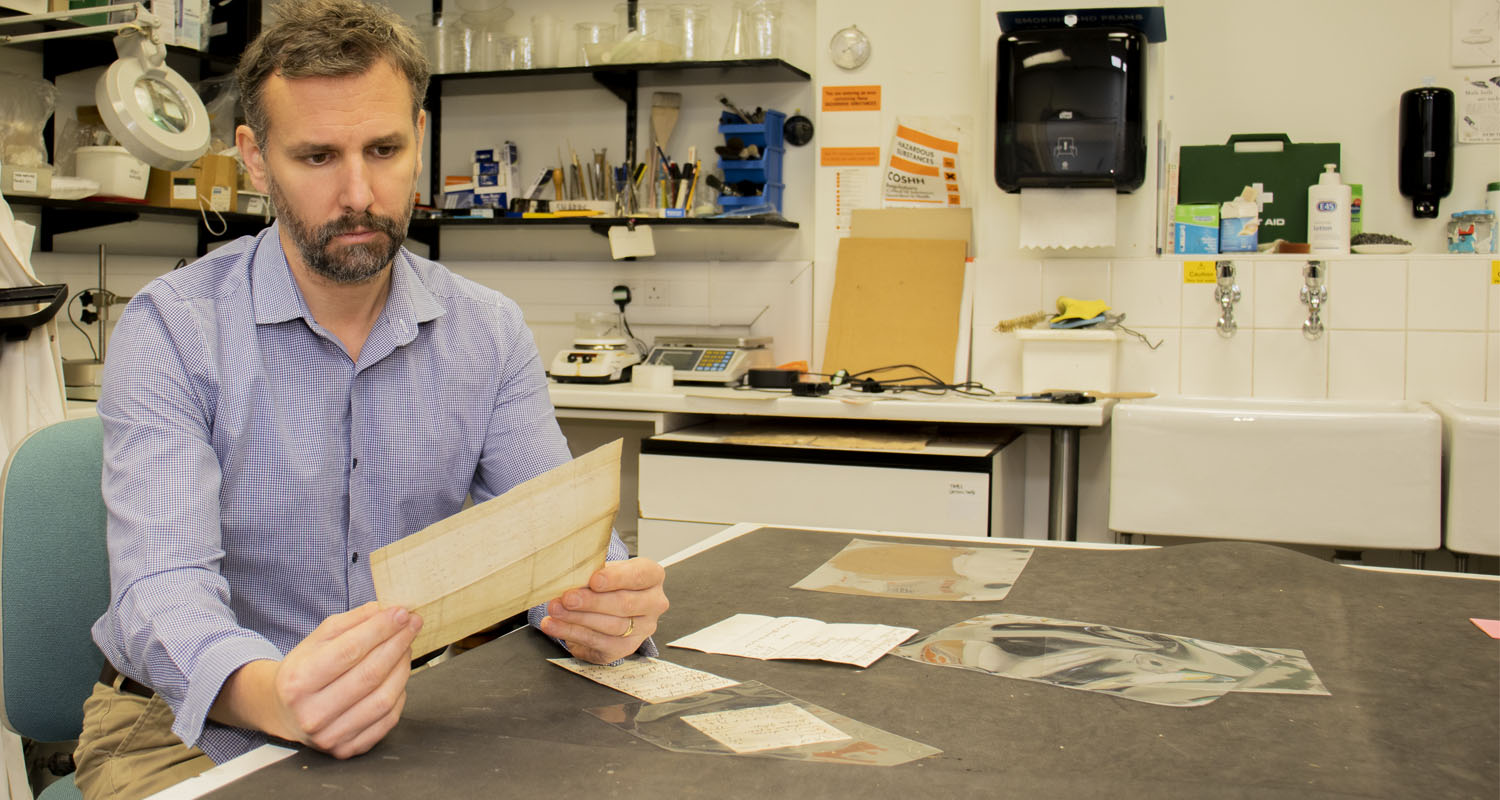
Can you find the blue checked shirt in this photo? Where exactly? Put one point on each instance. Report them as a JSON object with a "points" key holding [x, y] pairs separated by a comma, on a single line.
{"points": [[250, 467]]}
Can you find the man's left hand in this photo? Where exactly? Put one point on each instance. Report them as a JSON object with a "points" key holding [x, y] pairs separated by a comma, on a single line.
{"points": [[608, 619]]}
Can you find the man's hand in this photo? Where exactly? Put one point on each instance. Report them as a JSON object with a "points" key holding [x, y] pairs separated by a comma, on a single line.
{"points": [[608, 619], [340, 691]]}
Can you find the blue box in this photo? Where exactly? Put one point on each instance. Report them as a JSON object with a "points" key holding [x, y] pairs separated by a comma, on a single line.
{"points": [[766, 135], [1239, 234], [1197, 228], [759, 170], [770, 194]]}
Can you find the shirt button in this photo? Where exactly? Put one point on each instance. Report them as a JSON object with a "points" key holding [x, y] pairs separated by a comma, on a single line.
{"points": [[355, 558]]}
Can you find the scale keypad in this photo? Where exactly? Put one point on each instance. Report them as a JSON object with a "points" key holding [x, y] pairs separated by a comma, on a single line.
{"points": [[714, 361]]}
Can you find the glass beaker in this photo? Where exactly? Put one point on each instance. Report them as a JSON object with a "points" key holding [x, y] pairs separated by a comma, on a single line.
{"points": [[765, 26], [545, 32], [434, 35], [507, 50], [594, 41], [690, 31], [738, 45]]}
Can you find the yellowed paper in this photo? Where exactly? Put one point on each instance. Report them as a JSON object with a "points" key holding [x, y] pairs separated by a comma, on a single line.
{"points": [[650, 679], [501, 557], [750, 730]]}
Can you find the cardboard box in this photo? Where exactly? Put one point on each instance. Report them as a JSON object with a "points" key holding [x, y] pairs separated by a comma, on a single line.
{"points": [[26, 181], [214, 178]]}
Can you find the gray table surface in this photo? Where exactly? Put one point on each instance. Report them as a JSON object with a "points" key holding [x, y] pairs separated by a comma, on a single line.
{"points": [[1415, 710]]}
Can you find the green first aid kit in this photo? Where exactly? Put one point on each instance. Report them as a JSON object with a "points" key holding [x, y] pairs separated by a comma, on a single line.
{"points": [[1280, 169]]}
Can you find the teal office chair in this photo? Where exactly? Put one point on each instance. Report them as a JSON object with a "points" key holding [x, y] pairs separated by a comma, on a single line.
{"points": [[54, 582]]}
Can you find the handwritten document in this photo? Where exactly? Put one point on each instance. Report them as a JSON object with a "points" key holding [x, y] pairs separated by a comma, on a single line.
{"points": [[505, 555], [650, 679], [756, 636], [750, 730]]}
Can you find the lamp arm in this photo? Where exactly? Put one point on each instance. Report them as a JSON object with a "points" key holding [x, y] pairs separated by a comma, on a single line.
{"points": [[144, 21]]}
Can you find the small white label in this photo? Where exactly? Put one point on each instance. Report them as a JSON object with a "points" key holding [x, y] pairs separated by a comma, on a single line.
{"points": [[625, 242], [255, 205], [23, 181], [185, 191], [219, 198]]}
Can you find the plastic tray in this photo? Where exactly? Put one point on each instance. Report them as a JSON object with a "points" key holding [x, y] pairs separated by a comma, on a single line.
{"points": [[760, 170], [766, 135]]}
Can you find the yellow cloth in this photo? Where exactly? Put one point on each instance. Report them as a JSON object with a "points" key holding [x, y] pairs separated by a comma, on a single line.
{"points": [[1072, 308]]}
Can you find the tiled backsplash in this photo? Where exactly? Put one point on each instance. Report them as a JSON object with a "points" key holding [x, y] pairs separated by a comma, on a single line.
{"points": [[1419, 328]]}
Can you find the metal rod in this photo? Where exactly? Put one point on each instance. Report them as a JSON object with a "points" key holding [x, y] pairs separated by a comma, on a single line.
{"points": [[1062, 488], [70, 13], [104, 302]]}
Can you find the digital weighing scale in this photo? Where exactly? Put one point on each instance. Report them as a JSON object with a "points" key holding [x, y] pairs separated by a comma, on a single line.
{"points": [[711, 359], [606, 360]]}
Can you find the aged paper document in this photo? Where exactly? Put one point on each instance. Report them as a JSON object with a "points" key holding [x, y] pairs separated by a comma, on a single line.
{"points": [[756, 636], [505, 555], [748, 730], [650, 679]]}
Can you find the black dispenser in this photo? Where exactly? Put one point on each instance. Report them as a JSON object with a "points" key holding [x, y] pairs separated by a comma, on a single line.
{"points": [[1069, 109], [1426, 148]]}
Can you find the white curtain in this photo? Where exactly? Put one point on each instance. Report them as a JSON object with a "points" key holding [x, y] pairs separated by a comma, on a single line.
{"points": [[31, 396]]}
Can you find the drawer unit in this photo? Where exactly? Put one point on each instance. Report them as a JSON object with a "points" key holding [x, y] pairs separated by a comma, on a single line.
{"points": [[696, 481]]}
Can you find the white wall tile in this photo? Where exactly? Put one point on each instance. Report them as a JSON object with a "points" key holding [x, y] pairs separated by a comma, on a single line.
{"points": [[1080, 279], [1213, 366], [1142, 369], [1288, 364], [1445, 366], [1147, 291], [1493, 323], [1200, 310], [1447, 294], [1367, 365], [1370, 294], [1492, 367], [1278, 285]]}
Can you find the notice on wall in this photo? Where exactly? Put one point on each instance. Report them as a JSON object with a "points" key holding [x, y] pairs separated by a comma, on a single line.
{"points": [[923, 170], [851, 98], [849, 157], [853, 188], [1479, 111]]}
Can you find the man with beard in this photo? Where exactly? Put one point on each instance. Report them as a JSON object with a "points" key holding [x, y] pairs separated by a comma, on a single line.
{"points": [[291, 402]]}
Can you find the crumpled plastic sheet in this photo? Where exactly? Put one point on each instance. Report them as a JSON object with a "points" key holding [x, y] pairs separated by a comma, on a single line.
{"points": [[1157, 668]]}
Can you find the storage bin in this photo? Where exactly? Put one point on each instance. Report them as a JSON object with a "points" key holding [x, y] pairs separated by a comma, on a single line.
{"points": [[760, 170], [765, 135], [1071, 360], [770, 194], [118, 173]]}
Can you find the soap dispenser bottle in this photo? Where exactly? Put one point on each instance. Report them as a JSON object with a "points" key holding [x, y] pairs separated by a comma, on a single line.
{"points": [[1328, 213]]}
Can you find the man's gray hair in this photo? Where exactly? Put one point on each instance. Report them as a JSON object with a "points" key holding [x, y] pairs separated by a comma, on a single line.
{"points": [[327, 39]]}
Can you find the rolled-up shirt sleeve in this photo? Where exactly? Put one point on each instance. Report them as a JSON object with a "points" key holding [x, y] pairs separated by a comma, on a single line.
{"points": [[169, 623]]}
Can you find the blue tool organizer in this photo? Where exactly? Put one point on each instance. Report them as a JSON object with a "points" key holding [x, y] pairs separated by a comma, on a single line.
{"points": [[766, 170]]}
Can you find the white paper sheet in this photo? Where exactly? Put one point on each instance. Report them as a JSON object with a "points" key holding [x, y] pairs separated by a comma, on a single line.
{"points": [[650, 679], [761, 637], [750, 730], [1067, 218]]}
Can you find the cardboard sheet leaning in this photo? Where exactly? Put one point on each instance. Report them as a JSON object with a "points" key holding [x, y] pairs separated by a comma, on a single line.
{"points": [[503, 556]]}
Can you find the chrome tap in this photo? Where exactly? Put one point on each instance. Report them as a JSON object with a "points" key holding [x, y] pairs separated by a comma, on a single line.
{"points": [[1314, 295], [1226, 294]]}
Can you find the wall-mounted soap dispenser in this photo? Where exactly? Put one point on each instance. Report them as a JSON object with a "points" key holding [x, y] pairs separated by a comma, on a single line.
{"points": [[1426, 148], [1070, 98]]}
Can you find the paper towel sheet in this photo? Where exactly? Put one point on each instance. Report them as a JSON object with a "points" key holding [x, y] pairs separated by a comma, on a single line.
{"points": [[1067, 218]]}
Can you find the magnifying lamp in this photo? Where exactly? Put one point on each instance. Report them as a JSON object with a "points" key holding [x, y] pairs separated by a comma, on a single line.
{"points": [[146, 104]]}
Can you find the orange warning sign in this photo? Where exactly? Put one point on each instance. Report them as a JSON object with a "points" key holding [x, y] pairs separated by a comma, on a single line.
{"points": [[851, 98], [850, 157]]}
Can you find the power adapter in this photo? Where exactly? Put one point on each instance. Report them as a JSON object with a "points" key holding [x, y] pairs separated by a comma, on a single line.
{"points": [[763, 378], [811, 389]]}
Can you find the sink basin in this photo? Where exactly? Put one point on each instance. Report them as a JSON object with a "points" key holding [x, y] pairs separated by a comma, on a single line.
{"points": [[1339, 474], [1471, 477]]}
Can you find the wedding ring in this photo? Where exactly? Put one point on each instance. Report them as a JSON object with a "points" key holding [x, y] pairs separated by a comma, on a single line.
{"points": [[630, 629]]}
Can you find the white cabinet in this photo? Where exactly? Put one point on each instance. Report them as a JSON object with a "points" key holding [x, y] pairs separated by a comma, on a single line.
{"points": [[699, 480]]}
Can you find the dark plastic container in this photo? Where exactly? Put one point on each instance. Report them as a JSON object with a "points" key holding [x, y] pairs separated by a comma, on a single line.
{"points": [[760, 170], [765, 135]]}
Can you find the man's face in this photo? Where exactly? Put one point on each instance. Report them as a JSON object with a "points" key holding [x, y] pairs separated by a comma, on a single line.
{"points": [[341, 162]]}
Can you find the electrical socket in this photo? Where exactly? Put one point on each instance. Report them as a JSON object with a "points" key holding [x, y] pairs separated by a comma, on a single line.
{"points": [[650, 294]]}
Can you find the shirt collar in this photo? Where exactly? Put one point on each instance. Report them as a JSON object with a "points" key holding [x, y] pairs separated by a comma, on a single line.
{"points": [[277, 298]]}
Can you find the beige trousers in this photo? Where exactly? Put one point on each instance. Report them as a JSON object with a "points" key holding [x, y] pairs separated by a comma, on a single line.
{"points": [[127, 749]]}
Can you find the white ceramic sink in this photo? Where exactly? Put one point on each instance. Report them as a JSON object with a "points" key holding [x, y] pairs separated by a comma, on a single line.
{"points": [[1341, 474], [1471, 477]]}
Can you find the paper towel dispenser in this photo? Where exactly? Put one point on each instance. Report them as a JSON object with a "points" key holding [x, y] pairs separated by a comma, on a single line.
{"points": [[1069, 109]]}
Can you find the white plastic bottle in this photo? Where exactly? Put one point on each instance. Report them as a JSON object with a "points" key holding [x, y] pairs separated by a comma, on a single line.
{"points": [[1328, 205]]}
